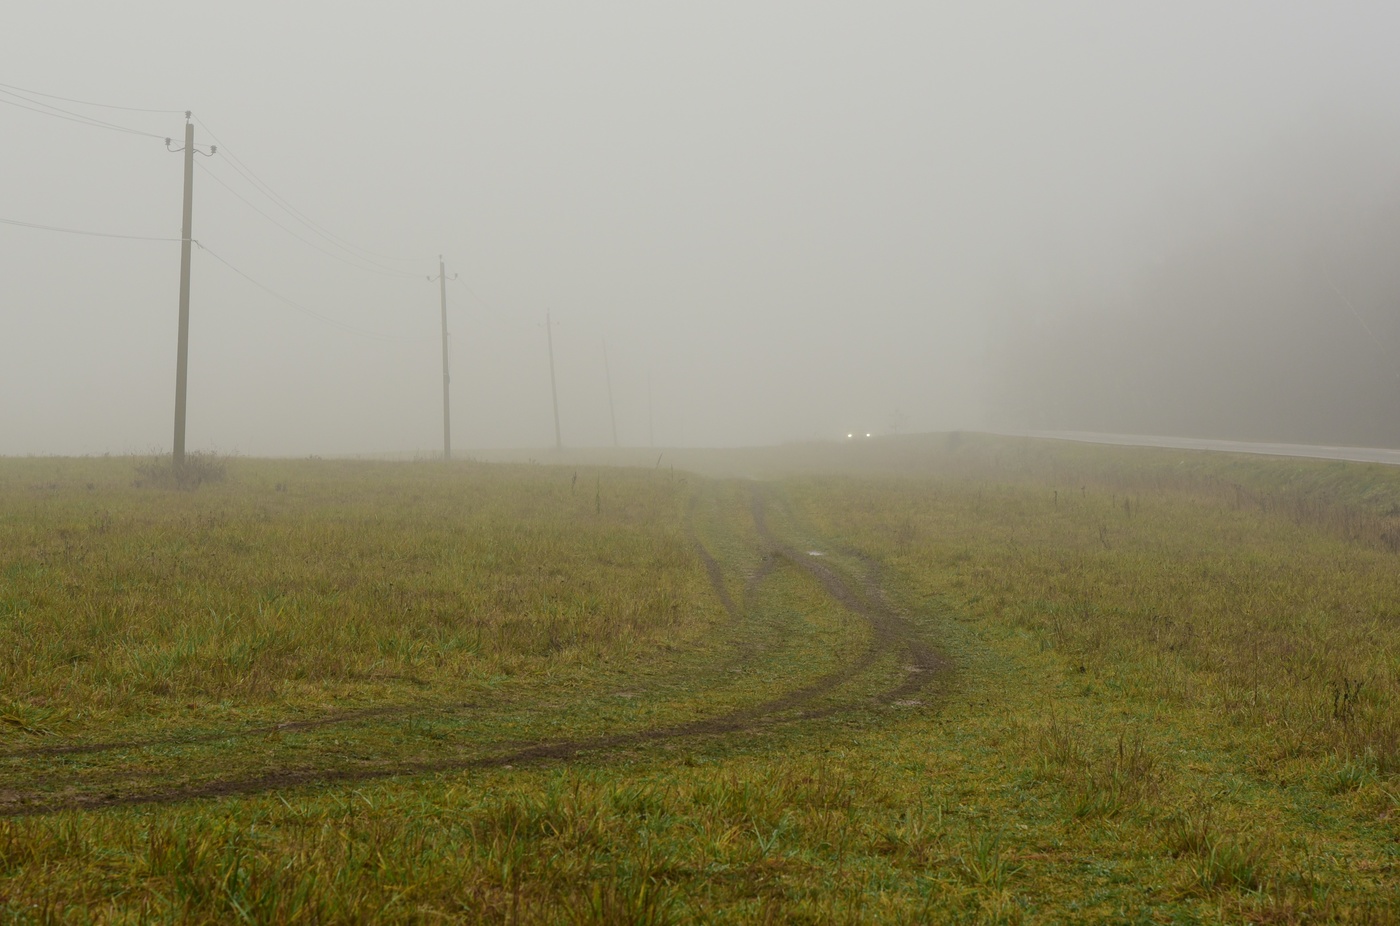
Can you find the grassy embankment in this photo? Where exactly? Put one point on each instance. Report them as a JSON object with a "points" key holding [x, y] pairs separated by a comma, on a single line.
{"points": [[1171, 684]]}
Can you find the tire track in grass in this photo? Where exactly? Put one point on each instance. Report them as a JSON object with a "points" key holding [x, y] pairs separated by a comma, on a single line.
{"points": [[890, 632], [196, 739]]}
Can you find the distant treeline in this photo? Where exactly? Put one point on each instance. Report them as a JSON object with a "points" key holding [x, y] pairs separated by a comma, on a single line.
{"points": [[1283, 326]]}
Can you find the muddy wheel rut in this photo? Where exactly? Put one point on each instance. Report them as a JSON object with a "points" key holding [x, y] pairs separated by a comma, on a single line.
{"points": [[890, 634]]}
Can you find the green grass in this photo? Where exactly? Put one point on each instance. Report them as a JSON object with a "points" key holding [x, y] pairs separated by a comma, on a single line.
{"points": [[1165, 691], [308, 586]]}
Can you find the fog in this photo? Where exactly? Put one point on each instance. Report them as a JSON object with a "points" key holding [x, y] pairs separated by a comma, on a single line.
{"points": [[1277, 318], [786, 221]]}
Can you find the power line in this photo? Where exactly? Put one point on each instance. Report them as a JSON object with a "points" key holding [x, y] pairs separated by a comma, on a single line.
{"points": [[47, 109], [311, 244], [80, 231], [67, 116], [302, 308], [507, 317], [69, 99], [248, 174]]}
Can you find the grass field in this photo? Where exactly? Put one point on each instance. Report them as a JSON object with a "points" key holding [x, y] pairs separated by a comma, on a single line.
{"points": [[947, 679]]}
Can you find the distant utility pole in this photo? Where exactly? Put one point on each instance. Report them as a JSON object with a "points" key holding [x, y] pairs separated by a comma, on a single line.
{"points": [[612, 411], [182, 350], [446, 379], [553, 387], [651, 433]]}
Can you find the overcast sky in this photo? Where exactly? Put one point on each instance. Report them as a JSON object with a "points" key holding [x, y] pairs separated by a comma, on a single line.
{"points": [[794, 219]]}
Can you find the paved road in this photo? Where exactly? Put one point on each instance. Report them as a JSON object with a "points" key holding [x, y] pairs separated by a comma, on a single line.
{"points": [[1354, 454]]}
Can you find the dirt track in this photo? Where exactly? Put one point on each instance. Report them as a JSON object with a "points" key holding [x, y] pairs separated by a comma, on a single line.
{"points": [[890, 632]]}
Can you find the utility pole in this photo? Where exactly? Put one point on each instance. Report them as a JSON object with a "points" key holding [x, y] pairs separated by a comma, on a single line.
{"points": [[553, 387], [651, 433], [612, 411], [446, 414], [182, 350]]}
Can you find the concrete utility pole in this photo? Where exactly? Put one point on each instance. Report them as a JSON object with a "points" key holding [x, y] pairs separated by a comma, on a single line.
{"points": [[446, 399], [553, 387], [182, 350], [182, 355], [612, 411]]}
